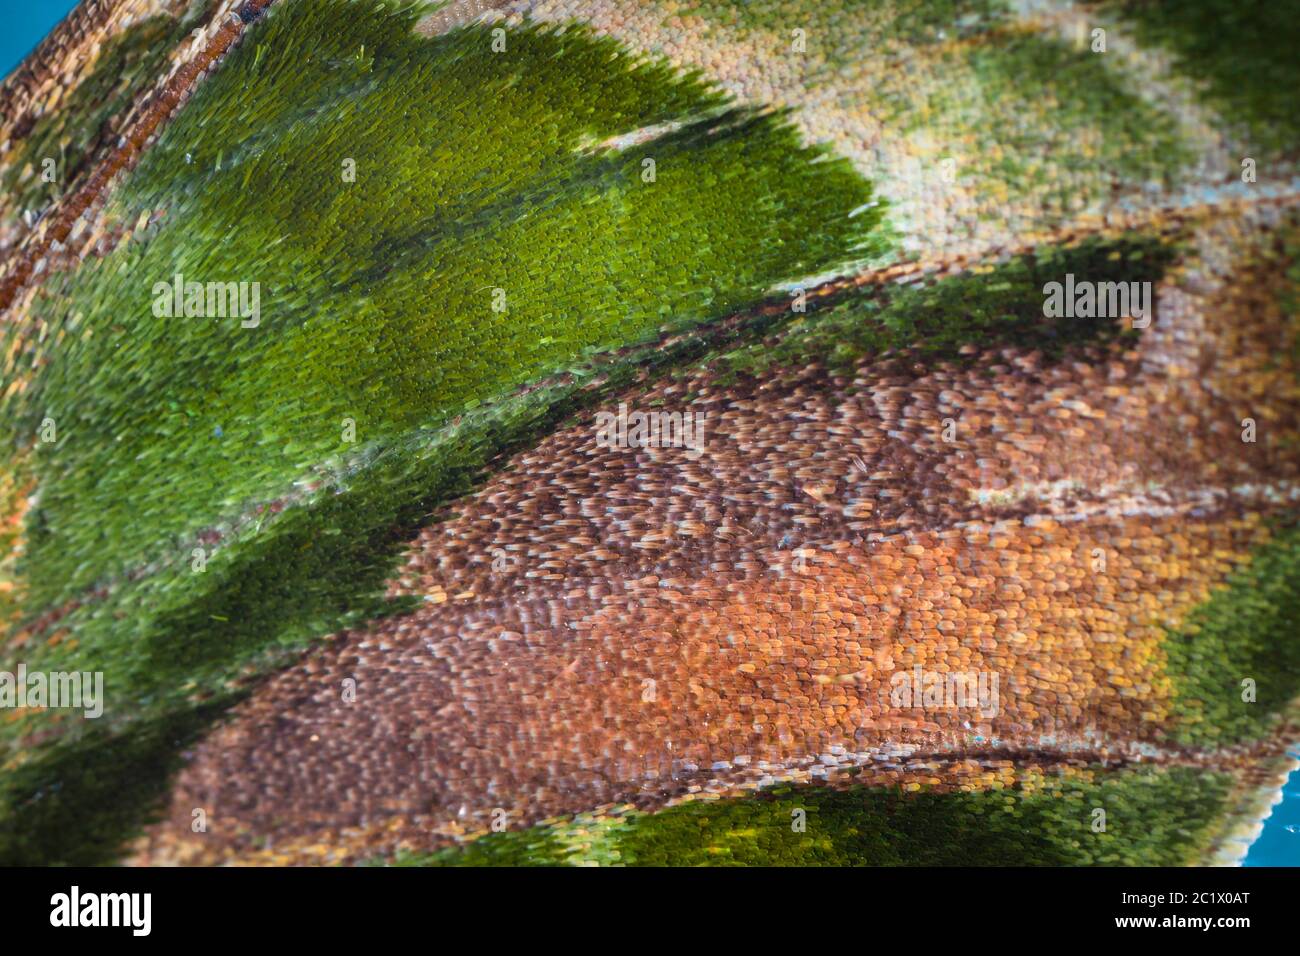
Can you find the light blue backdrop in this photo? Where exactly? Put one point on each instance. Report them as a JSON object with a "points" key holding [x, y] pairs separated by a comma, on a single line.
{"points": [[23, 24]]}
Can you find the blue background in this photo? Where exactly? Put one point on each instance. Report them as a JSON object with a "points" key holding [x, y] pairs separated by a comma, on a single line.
{"points": [[23, 24], [1278, 846]]}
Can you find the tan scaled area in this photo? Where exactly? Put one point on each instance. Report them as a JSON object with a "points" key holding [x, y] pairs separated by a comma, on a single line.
{"points": [[647, 690]]}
